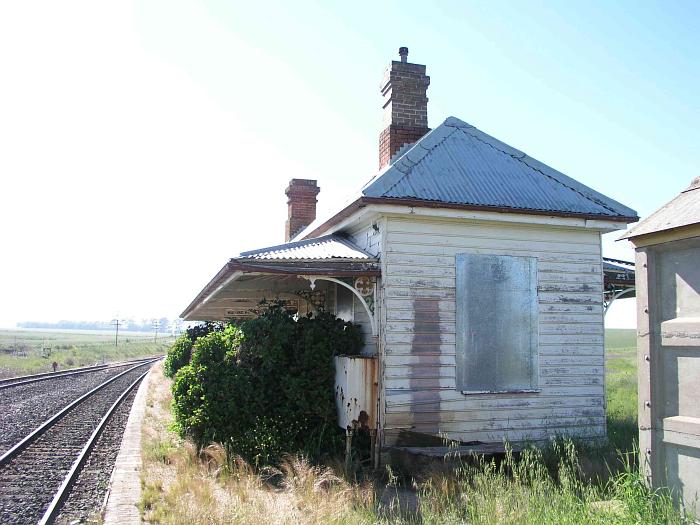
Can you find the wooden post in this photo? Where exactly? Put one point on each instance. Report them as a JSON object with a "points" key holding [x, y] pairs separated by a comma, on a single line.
{"points": [[373, 447], [348, 449]]}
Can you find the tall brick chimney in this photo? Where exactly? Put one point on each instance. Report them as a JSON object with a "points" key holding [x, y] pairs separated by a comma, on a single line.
{"points": [[404, 89], [301, 206]]}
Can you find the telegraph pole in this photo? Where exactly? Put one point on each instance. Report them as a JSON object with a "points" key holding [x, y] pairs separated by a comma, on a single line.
{"points": [[156, 324], [115, 323]]}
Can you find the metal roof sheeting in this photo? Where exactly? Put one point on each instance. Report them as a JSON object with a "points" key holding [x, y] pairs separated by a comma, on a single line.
{"points": [[327, 247], [683, 210], [456, 163], [617, 271]]}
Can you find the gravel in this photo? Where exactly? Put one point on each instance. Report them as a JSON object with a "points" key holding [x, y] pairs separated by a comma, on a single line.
{"points": [[25, 407], [89, 491]]}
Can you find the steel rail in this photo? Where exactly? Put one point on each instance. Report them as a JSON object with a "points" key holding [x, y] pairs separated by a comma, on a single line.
{"points": [[46, 425], [27, 377], [33, 378], [64, 490]]}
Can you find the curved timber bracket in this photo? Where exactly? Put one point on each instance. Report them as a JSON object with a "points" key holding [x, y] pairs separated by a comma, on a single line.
{"points": [[367, 302], [615, 295]]}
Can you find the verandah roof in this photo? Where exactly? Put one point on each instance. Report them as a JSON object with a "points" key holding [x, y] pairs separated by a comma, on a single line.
{"points": [[273, 273]]}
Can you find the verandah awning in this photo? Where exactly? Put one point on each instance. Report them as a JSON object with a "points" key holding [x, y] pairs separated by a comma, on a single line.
{"points": [[618, 281], [274, 273]]}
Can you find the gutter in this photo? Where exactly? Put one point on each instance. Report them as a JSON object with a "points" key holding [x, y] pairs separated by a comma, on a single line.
{"points": [[421, 203]]}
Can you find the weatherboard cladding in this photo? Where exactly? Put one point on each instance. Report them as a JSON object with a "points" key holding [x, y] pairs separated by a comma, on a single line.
{"points": [[419, 350], [458, 164], [320, 248]]}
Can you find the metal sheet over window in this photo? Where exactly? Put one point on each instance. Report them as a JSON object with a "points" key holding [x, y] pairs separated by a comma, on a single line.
{"points": [[496, 323]]}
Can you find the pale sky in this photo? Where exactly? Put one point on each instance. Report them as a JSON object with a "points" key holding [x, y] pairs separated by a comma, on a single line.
{"points": [[142, 144]]}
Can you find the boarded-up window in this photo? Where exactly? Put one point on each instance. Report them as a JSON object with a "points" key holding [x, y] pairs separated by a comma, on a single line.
{"points": [[496, 323]]}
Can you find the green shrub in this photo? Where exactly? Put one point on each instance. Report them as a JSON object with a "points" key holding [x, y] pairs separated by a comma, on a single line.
{"points": [[180, 353], [266, 388]]}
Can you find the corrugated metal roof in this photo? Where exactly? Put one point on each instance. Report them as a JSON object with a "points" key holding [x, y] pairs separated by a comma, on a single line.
{"points": [[320, 248], [683, 210], [617, 271], [456, 163], [617, 265]]}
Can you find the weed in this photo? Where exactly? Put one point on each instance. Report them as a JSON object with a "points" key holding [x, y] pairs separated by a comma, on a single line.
{"points": [[568, 482]]}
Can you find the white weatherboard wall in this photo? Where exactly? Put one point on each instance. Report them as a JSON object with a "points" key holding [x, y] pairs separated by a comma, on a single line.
{"points": [[368, 239], [418, 339]]}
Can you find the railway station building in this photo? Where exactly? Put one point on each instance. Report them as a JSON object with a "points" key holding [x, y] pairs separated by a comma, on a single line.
{"points": [[474, 271]]}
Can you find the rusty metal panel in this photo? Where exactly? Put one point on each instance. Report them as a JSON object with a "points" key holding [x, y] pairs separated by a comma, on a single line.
{"points": [[459, 164], [497, 330], [356, 391]]}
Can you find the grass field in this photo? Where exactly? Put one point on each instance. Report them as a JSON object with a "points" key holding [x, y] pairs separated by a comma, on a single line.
{"points": [[184, 486], [34, 351], [621, 387]]}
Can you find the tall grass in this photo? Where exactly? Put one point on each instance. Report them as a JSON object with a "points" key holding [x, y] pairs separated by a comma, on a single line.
{"points": [[526, 490], [211, 487], [185, 486], [182, 485], [621, 388]]}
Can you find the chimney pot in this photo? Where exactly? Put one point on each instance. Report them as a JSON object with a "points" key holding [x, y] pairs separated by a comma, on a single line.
{"points": [[301, 206], [403, 53]]}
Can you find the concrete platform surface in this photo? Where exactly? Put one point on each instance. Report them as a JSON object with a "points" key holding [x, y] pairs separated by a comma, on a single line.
{"points": [[124, 490]]}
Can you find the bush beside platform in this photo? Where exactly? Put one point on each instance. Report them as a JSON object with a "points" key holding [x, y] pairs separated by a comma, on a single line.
{"points": [[264, 388]]}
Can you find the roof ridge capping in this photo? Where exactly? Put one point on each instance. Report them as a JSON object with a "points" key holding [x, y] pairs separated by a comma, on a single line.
{"points": [[428, 142], [694, 185], [574, 185], [401, 168], [395, 171], [682, 210]]}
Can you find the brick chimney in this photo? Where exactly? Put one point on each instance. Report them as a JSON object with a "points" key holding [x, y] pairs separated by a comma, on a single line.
{"points": [[404, 89], [301, 206]]}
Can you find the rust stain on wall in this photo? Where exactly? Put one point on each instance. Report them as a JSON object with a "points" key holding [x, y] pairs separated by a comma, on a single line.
{"points": [[425, 345]]}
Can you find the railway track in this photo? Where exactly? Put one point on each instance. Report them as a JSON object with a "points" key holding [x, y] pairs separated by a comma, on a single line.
{"points": [[33, 378], [24, 404], [38, 472]]}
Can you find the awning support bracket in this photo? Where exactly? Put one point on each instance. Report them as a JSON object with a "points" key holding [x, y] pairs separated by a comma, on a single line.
{"points": [[370, 311], [616, 295]]}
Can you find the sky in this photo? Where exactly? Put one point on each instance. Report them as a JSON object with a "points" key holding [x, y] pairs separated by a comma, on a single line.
{"points": [[142, 144]]}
